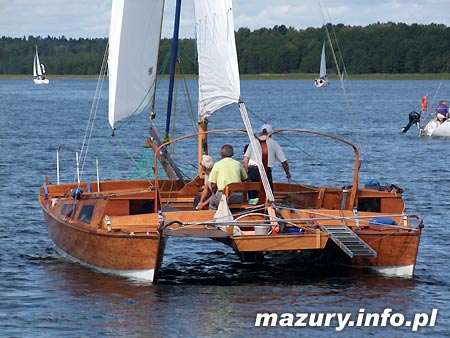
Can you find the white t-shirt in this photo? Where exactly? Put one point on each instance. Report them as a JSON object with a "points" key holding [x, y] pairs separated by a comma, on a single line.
{"points": [[274, 152]]}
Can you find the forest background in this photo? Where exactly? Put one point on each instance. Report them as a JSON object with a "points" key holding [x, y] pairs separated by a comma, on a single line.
{"points": [[380, 48]]}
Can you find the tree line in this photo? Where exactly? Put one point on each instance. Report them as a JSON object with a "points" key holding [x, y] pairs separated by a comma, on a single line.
{"points": [[385, 48]]}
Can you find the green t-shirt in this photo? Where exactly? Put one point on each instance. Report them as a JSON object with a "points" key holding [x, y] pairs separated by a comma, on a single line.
{"points": [[226, 171]]}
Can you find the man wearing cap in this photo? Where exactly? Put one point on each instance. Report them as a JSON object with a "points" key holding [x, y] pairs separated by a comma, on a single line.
{"points": [[226, 171], [274, 152], [203, 199]]}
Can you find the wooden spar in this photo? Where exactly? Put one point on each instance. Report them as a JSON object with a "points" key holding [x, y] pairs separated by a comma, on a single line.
{"points": [[163, 156], [202, 142]]}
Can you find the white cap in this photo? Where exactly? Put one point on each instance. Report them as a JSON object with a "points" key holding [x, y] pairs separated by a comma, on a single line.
{"points": [[207, 161], [266, 127]]}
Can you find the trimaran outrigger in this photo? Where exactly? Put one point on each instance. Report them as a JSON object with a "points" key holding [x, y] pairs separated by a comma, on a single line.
{"points": [[122, 226]]}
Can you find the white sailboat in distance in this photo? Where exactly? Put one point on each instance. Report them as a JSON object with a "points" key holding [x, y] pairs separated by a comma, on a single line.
{"points": [[39, 71], [322, 80]]}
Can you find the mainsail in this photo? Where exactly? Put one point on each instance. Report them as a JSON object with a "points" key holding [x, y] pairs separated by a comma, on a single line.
{"points": [[36, 65], [134, 38], [217, 58], [323, 66]]}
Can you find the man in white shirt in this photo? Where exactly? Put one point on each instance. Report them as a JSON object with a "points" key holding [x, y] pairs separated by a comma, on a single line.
{"points": [[274, 152]]}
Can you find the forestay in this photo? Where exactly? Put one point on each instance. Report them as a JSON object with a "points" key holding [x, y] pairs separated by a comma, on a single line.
{"points": [[217, 58], [134, 38]]}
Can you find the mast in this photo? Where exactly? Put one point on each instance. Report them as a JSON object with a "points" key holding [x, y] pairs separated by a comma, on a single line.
{"points": [[202, 142], [153, 141], [173, 59]]}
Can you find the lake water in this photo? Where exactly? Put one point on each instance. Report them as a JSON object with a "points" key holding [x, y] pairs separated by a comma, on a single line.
{"points": [[204, 290]]}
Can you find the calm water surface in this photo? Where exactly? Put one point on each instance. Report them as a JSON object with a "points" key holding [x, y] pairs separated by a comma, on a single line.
{"points": [[204, 290]]}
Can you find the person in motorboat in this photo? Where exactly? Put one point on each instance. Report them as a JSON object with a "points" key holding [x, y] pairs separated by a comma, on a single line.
{"points": [[224, 172], [203, 199], [442, 111], [274, 152]]}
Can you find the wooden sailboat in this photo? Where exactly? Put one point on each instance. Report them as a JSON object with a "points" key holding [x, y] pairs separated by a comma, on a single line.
{"points": [[122, 226], [39, 71], [322, 80]]}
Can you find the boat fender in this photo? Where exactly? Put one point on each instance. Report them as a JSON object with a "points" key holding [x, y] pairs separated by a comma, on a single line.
{"points": [[424, 102], [77, 192], [293, 230], [382, 221]]}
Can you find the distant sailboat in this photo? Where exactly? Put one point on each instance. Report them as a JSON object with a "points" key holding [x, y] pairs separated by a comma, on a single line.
{"points": [[39, 71], [322, 80]]}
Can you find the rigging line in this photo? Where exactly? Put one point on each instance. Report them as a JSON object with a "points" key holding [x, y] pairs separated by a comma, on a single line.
{"points": [[309, 187], [286, 139], [94, 109], [192, 114], [344, 75], [437, 91], [349, 109], [133, 160]]}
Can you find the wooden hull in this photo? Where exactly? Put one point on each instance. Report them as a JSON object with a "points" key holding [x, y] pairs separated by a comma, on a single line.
{"points": [[125, 255], [110, 248], [396, 253]]}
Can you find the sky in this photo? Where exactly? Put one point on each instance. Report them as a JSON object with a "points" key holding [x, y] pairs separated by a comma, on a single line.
{"points": [[90, 18]]}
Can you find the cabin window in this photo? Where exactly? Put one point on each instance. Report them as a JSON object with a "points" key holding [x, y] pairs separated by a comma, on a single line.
{"points": [[142, 206], [86, 213], [369, 204], [69, 209]]}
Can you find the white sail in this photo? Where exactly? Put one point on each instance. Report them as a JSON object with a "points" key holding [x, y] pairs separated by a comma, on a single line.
{"points": [[34, 66], [37, 65], [133, 55], [217, 58], [323, 66]]}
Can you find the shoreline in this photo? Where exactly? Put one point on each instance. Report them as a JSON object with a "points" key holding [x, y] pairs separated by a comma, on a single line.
{"points": [[296, 76]]}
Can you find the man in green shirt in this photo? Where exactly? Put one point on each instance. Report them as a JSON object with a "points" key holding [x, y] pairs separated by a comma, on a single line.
{"points": [[226, 171]]}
